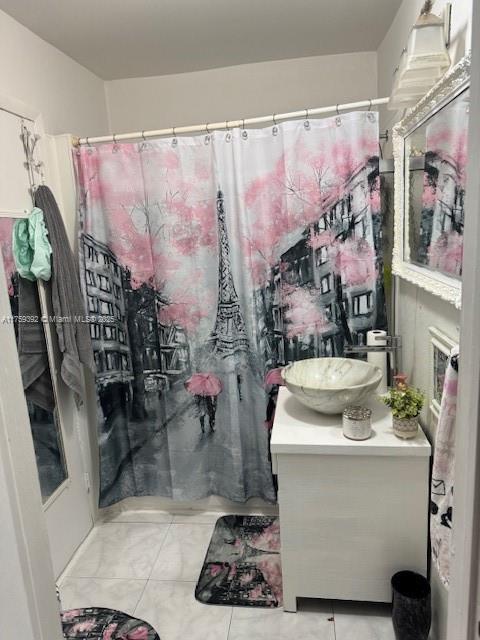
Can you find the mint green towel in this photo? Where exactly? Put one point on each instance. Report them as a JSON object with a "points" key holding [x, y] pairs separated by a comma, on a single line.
{"points": [[31, 248]]}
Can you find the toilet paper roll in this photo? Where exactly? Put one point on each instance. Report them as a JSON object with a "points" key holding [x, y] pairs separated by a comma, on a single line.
{"points": [[378, 338]]}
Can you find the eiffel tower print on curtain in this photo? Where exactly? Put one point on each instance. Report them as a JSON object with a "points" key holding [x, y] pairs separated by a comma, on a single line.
{"points": [[228, 336]]}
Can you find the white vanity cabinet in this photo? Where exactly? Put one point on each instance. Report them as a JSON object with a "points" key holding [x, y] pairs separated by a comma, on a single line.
{"points": [[352, 513]]}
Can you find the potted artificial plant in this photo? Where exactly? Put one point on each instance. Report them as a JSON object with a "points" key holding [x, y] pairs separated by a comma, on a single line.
{"points": [[406, 403]]}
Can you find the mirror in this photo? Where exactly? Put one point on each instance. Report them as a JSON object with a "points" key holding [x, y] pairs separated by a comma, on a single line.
{"points": [[48, 445], [436, 154], [44, 423], [430, 154]]}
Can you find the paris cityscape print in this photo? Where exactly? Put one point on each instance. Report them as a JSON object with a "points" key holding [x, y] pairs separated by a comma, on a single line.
{"points": [[193, 298]]}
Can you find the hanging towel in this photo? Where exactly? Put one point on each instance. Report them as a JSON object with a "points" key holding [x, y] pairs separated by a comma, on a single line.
{"points": [[31, 248], [441, 506], [63, 292], [32, 254], [67, 302], [32, 348]]}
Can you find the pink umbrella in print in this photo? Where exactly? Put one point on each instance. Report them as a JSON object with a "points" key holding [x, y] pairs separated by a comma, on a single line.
{"points": [[274, 377], [205, 387], [204, 384]]}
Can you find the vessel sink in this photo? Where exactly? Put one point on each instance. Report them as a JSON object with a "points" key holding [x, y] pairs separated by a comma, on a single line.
{"points": [[328, 385]]}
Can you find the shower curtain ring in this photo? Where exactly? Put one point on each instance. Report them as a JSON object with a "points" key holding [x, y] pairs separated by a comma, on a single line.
{"points": [[207, 137], [370, 105], [144, 143], [228, 137], [338, 120], [244, 131], [90, 149], [275, 127], [306, 124], [174, 141], [115, 146]]}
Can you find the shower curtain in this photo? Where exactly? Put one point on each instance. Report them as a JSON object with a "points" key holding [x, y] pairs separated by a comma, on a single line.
{"points": [[206, 262]]}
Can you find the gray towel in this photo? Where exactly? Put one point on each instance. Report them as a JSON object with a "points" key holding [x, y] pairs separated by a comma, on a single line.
{"points": [[67, 303], [32, 348]]}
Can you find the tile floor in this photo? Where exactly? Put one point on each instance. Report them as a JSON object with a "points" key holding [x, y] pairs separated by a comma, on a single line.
{"points": [[147, 563]]}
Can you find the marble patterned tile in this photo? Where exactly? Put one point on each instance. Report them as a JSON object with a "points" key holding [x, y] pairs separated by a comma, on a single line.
{"points": [[313, 621], [171, 608], [183, 552], [119, 550], [363, 621], [153, 517], [100, 592]]}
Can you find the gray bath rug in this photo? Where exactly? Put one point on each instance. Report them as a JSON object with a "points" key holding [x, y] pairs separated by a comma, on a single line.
{"points": [[242, 566]]}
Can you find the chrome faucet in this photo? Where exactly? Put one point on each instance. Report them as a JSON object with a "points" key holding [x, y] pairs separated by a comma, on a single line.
{"points": [[391, 348]]}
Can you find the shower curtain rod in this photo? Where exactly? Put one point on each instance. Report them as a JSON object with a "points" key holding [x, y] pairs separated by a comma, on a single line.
{"points": [[231, 124]]}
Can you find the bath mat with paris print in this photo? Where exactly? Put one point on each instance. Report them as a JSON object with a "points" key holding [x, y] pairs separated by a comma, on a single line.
{"points": [[97, 623], [242, 566]]}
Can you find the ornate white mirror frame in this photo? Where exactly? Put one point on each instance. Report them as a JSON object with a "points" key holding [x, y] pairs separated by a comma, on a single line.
{"points": [[437, 283]]}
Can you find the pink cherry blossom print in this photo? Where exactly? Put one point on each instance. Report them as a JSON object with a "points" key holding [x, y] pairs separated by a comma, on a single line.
{"points": [[70, 614], [256, 593], [447, 252], [140, 633], [82, 627], [304, 314], [355, 262], [215, 569], [207, 265], [246, 578], [269, 538], [272, 571], [108, 634]]}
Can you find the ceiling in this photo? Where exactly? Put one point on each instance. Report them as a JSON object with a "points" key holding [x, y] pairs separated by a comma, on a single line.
{"points": [[134, 38]]}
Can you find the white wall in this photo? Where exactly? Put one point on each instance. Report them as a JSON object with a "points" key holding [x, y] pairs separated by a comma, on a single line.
{"points": [[417, 309], [239, 92], [70, 98]]}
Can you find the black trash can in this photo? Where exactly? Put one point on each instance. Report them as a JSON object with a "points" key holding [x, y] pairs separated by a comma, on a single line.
{"points": [[412, 609]]}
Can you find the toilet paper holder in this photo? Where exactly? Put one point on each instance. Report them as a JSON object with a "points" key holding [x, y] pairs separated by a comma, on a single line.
{"points": [[391, 345]]}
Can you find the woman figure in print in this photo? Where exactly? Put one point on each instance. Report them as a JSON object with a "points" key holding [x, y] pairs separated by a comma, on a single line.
{"points": [[205, 387]]}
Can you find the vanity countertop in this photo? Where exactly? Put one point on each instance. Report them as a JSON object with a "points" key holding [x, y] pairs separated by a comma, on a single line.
{"points": [[300, 430]]}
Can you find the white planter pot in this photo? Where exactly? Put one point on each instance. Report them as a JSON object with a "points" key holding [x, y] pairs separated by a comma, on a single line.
{"points": [[405, 427]]}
